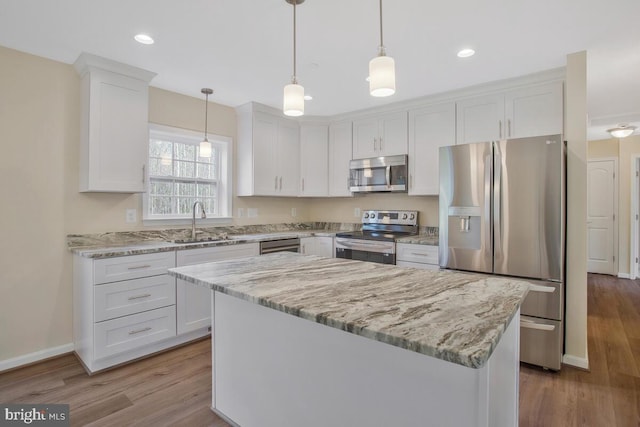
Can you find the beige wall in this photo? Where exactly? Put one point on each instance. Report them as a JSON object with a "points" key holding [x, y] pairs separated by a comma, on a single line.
{"points": [[342, 209], [625, 150], [39, 121], [576, 351]]}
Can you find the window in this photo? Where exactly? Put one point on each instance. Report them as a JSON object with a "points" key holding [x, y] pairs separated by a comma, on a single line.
{"points": [[178, 176]]}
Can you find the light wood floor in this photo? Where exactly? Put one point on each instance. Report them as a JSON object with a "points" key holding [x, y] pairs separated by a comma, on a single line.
{"points": [[174, 388]]}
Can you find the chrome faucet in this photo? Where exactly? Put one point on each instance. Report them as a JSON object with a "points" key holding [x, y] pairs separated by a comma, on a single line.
{"points": [[193, 218]]}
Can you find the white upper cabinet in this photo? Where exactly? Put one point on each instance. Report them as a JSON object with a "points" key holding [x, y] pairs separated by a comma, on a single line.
{"points": [[314, 160], [430, 128], [114, 134], [340, 135], [268, 154], [518, 113], [382, 135]]}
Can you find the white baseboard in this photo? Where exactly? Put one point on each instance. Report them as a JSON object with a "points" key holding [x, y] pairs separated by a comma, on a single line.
{"points": [[35, 357], [624, 275], [578, 362]]}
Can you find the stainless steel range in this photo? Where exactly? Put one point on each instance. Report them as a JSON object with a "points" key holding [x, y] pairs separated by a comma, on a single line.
{"points": [[377, 240]]}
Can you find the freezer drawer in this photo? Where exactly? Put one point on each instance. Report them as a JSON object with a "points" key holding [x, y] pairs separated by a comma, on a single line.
{"points": [[545, 299], [541, 342]]}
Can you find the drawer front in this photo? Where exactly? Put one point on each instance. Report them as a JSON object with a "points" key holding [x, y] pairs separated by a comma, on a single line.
{"points": [[119, 299], [132, 267], [417, 253], [218, 253], [544, 299], [130, 332], [541, 342]]}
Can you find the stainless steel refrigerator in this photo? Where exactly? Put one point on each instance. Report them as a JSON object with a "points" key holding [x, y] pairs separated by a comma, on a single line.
{"points": [[502, 211]]}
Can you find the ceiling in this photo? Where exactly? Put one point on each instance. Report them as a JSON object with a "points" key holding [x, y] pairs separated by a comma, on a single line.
{"points": [[243, 49]]}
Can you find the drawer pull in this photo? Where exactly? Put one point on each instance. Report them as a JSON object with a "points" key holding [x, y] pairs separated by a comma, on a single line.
{"points": [[139, 267], [418, 254], [148, 328], [538, 288], [139, 296], [528, 324]]}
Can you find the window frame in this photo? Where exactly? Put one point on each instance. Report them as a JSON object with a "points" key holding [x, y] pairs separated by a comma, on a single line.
{"points": [[224, 145]]}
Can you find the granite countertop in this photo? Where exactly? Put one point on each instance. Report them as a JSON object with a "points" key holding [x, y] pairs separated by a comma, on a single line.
{"points": [[108, 249], [457, 317]]}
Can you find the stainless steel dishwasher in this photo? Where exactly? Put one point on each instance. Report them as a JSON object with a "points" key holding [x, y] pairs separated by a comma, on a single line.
{"points": [[280, 245]]}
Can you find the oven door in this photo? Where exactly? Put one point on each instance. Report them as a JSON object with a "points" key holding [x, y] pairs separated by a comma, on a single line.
{"points": [[381, 252]]}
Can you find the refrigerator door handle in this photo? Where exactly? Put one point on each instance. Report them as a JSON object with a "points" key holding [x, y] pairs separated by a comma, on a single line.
{"points": [[497, 203], [487, 203]]}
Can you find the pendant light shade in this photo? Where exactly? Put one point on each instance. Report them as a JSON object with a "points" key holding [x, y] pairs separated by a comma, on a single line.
{"points": [[382, 76], [382, 70], [205, 145], [293, 99]]}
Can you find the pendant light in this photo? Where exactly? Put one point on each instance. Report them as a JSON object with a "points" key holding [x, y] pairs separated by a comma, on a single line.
{"points": [[621, 131], [293, 103], [205, 145], [382, 70]]}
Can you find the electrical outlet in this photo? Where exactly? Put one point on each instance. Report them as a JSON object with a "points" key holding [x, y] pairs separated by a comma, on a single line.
{"points": [[294, 213], [252, 212], [356, 212], [131, 216], [240, 212]]}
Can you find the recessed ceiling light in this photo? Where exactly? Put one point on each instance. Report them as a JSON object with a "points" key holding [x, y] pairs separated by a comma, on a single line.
{"points": [[144, 39], [465, 53], [308, 97]]}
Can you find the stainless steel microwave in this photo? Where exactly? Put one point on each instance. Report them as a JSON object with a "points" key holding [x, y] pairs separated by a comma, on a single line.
{"points": [[378, 174]]}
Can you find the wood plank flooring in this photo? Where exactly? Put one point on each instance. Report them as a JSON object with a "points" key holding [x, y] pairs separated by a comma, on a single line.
{"points": [[174, 388]]}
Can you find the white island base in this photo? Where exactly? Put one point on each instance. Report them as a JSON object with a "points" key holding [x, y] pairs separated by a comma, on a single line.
{"points": [[276, 369]]}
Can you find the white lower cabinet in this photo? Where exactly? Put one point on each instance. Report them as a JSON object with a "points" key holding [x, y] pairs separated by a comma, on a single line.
{"points": [[128, 307], [417, 256], [193, 303], [320, 245]]}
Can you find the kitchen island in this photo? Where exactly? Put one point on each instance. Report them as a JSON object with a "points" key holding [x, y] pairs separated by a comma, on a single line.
{"points": [[305, 340]]}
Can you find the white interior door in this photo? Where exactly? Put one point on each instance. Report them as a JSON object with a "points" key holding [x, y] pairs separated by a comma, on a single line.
{"points": [[601, 207]]}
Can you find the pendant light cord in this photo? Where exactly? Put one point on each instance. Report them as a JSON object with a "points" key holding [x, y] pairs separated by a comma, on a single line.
{"points": [[381, 43], [294, 80], [206, 115]]}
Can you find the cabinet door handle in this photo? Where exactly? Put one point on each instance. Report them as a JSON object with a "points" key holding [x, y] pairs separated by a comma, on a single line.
{"points": [[148, 328], [139, 296], [144, 175], [302, 184], [508, 127], [275, 187], [380, 140], [500, 128], [139, 267], [374, 143], [280, 183]]}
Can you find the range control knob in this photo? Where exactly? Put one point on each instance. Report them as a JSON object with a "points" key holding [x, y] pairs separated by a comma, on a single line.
{"points": [[413, 216], [366, 214], [404, 216]]}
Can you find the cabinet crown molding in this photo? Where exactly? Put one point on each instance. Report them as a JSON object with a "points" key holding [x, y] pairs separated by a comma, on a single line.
{"points": [[87, 62]]}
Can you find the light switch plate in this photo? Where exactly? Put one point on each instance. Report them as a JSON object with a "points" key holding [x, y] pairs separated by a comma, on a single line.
{"points": [[294, 213], [356, 212], [131, 216], [240, 212]]}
